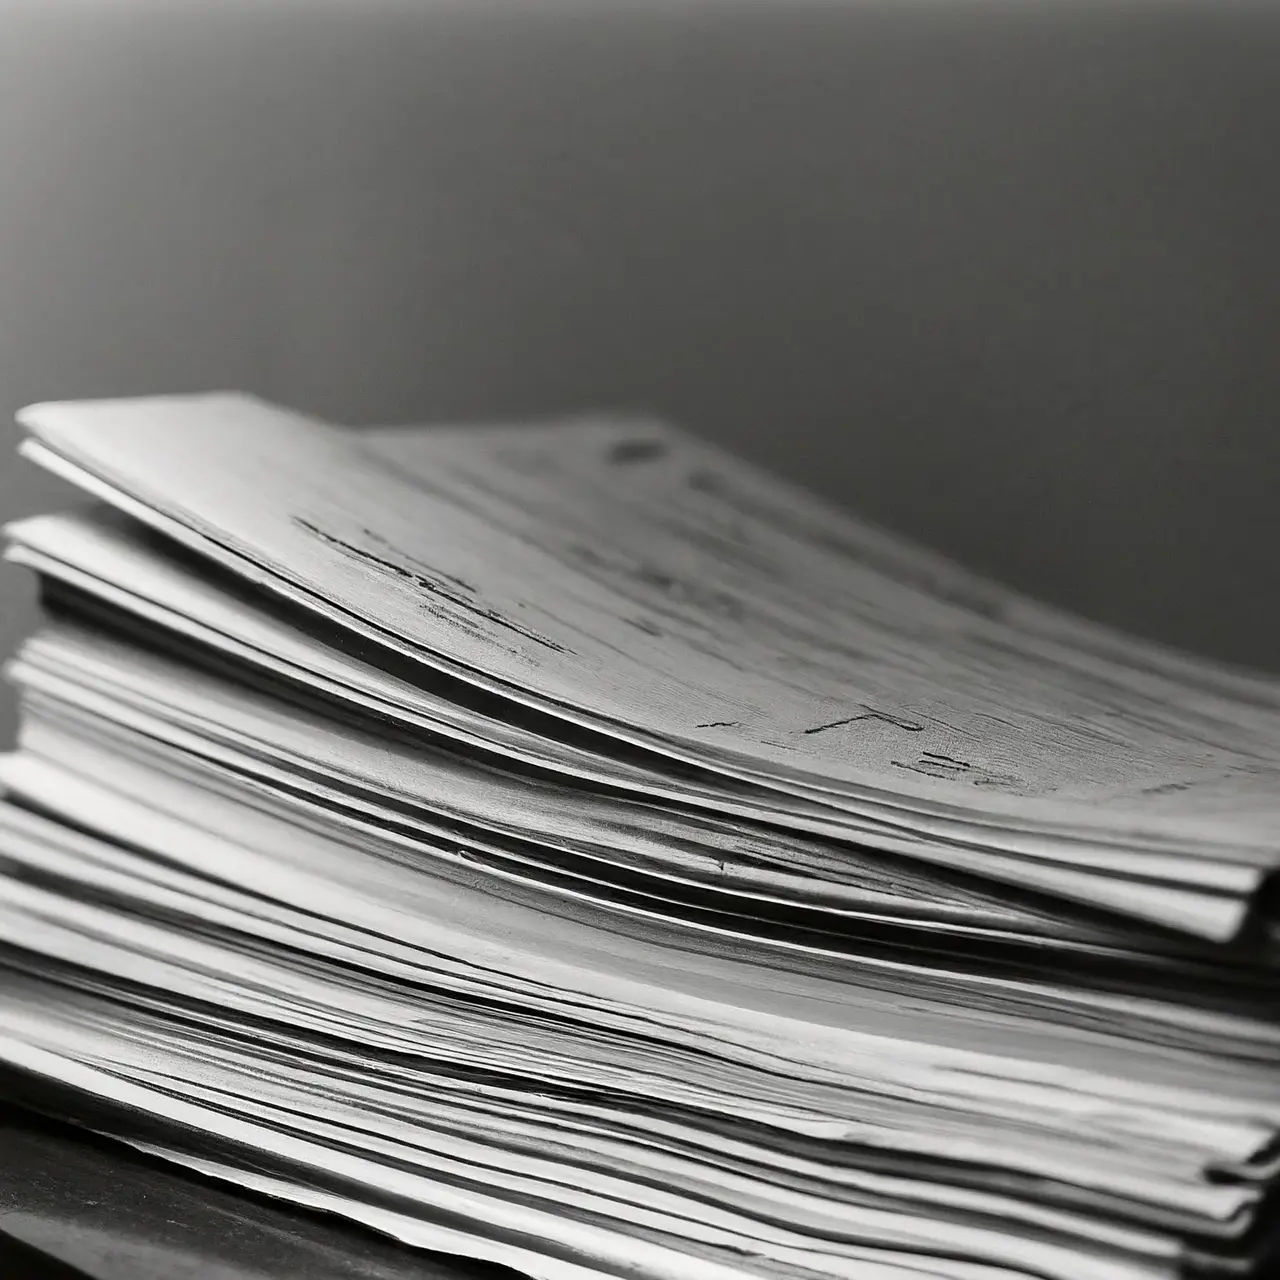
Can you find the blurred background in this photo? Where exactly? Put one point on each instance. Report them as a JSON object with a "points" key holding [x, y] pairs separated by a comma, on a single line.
{"points": [[1002, 276]]}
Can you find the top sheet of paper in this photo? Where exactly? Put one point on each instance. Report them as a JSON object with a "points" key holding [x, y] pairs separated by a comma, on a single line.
{"points": [[636, 580]]}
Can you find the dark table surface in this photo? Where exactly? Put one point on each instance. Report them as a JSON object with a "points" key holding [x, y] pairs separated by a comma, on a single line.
{"points": [[77, 1206]]}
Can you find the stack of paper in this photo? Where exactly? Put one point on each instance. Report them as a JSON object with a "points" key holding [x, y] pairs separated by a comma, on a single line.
{"points": [[566, 846]]}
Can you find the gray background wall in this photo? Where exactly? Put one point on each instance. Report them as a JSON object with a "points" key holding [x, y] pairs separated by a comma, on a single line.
{"points": [[1003, 276]]}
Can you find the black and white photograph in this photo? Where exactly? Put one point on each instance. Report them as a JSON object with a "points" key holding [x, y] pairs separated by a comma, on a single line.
{"points": [[641, 640]]}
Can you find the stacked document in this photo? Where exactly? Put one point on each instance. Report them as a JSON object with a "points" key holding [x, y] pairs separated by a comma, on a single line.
{"points": [[566, 846]]}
